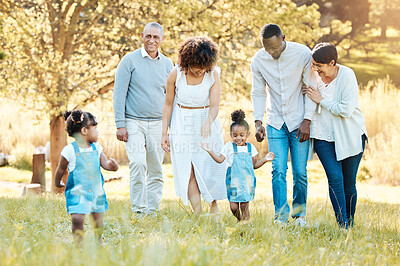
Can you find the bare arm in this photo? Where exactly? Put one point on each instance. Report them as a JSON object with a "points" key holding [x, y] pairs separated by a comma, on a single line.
{"points": [[218, 158], [167, 109], [109, 165], [215, 94], [62, 166], [269, 157]]}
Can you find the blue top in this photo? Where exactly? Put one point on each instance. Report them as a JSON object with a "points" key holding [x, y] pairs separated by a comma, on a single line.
{"points": [[139, 88], [84, 191], [240, 177]]}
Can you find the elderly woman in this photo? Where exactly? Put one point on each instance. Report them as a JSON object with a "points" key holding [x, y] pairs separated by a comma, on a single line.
{"points": [[337, 129], [193, 93]]}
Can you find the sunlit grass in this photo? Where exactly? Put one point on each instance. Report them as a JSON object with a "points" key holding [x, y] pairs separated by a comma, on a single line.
{"points": [[37, 231]]}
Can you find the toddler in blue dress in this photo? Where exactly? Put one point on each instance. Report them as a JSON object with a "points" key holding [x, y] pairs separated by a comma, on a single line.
{"points": [[84, 191], [241, 158]]}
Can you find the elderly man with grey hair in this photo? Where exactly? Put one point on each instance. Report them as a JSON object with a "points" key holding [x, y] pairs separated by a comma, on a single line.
{"points": [[139, 93]]}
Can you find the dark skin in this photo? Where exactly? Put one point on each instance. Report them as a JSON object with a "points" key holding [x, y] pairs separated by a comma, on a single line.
{"points": [[275, 45], [240, 210], [303, 131]]}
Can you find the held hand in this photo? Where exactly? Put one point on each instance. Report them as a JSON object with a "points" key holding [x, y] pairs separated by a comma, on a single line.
{"points": [[206, 130], [314, 94], [270, 156], [112, 165], [60, 184], [260, 132], [165, 143], [304, 130], [122, 134], [205, 146]]}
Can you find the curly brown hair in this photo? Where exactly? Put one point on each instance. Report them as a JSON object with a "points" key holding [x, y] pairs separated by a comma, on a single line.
{"points": [[200, 52]]}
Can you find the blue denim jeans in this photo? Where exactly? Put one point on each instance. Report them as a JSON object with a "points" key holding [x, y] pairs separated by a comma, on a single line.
{"points": [[280, 142], [341, 180]]}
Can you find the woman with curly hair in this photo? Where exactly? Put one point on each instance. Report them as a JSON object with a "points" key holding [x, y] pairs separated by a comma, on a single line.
{"points": [[191, 107]]}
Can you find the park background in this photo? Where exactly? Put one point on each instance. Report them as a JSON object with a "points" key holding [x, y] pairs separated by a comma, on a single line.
{"points": [[59, 55]]}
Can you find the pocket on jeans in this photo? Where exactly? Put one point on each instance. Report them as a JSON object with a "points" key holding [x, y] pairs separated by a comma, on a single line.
{"points": [[273, 133]]}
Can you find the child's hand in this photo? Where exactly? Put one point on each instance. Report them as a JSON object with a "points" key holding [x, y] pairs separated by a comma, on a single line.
{"points": [[60, 184], [112, 164], [270, 156], [205, 146]]}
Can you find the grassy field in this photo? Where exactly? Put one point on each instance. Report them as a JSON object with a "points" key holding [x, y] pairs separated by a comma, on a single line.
{"points": [[37, 230]]}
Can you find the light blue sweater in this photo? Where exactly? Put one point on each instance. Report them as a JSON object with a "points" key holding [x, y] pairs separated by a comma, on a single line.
{"points": [[348, 121], [139, 88]]}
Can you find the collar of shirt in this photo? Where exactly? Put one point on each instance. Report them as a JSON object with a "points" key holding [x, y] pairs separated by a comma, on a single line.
{"points": [[145, 54]]}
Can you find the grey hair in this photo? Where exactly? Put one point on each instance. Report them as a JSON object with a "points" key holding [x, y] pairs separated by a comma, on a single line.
{"points": [[154, 25]]}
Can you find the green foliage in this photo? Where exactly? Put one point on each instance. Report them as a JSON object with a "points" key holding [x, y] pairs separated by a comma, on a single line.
{"points": [[61, 52], [37, 231]]}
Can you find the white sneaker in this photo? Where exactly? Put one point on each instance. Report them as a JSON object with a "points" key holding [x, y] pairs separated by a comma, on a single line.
{"points": [[280, 222], [300, 221]]}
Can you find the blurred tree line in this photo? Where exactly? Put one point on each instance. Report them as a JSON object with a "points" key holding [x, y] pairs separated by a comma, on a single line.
{"points": [[59, 55], [63, 54], [362, 15]]}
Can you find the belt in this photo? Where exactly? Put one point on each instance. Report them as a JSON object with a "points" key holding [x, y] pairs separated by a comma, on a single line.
{"points": [[189, 107]]}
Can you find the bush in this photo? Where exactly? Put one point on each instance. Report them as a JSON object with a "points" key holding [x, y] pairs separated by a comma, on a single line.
{"points": [[22, 157]]}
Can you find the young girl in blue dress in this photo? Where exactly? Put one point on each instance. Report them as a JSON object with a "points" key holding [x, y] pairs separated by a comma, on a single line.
{"points": [[84, 191], [240, 156]]}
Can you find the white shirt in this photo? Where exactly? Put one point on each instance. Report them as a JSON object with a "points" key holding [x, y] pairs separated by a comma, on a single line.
{"points": [[69, 154], [146, 54], [227, 151], [283, 79], [322, 122]]}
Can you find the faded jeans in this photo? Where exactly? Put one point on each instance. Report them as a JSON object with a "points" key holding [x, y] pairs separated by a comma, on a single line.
{"points": [[280, 142]]}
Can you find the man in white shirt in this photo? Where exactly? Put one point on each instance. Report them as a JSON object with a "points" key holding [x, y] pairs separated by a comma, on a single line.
{"points": [[279, 70]]}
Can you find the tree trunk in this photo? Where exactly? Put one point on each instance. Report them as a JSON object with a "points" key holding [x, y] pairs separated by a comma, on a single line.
{"points": [[58, 140], [383, 32]]}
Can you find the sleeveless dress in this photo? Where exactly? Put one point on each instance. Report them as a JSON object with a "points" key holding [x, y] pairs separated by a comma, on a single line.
{"points": [[240, 177], [185, 140], [84, 191]]}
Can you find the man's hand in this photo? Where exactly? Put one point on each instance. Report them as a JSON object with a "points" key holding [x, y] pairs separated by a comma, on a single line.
{"points": [[260, 131], [122, 134], [304, 130]]}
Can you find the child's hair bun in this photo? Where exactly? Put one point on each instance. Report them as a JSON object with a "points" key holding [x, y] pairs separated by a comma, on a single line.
{"points": [[67, 114], [238, 115], [76, 116]]}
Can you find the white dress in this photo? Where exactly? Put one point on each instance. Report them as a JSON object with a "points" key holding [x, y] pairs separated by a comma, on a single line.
{"points": [[185, 139]]}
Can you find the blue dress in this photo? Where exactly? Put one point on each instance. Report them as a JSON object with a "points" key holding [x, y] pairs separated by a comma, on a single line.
{"points": [[84, 191], [240, 177]]}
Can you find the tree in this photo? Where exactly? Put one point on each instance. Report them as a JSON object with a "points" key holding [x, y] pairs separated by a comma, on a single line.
{"points": [[63, 54], [385, 14]]}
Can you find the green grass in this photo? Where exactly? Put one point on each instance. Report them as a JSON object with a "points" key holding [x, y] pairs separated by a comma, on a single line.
{"points": [[36, 231], [381, 61]]}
